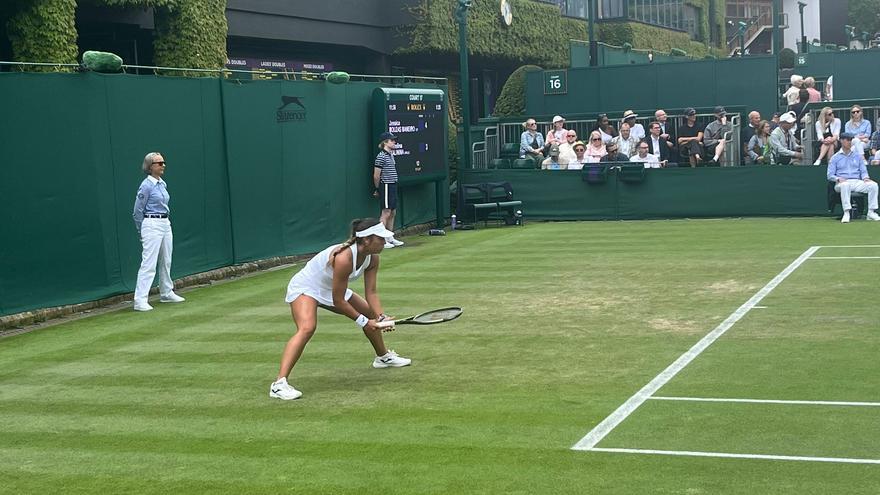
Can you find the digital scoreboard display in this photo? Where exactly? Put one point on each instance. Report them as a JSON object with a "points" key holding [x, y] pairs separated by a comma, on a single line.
{"points": [[418, 118]]}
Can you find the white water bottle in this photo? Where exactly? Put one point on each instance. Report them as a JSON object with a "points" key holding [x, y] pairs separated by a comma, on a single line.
{"points": [[453, 222]]}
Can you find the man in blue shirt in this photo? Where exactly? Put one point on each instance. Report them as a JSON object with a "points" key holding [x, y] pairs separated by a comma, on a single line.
{"points": [[848, 171]]}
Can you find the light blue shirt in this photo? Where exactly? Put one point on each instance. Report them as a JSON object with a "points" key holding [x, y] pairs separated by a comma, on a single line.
{"points": [[525, 142], [847, 166], [152, 199], [864, 128]]}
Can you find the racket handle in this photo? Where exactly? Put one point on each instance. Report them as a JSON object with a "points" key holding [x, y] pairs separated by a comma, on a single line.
{"points": [[385, 324]]}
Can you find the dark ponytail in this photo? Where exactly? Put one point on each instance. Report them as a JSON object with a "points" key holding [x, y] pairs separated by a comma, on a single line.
{"points": [[356, 225]]}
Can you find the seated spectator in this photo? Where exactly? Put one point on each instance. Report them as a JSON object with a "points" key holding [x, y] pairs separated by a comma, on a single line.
{"points": [[774, 120], [810, 86], [827, 133], [649, 160], [860, 127], [626, 142], [612, 155], [636, 129], [657, 144], [783, 146], [666, 129], [553, 162], [581, 158], [749, 131], [566, 149], [792, 93], [606, 130], [690, 138], [875, 144], [595, 149], [758, 149], [531, 142], [558, 133], [848, 172], [713, 138]]}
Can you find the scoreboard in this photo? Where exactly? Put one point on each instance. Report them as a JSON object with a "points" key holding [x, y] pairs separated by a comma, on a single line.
{"points": [[418, 118]]}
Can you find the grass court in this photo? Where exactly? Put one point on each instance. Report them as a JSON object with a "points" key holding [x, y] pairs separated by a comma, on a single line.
{"points": [[769, 337]]}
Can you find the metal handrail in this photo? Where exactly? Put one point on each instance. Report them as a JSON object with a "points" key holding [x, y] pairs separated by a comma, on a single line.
{"points": [[755, 25]]}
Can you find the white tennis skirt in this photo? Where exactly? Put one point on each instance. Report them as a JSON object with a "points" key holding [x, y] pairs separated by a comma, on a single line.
{"points": [[321, 294]]}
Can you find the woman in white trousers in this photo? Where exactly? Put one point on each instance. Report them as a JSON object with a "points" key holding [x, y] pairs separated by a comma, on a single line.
{"points": [[154, 228]]}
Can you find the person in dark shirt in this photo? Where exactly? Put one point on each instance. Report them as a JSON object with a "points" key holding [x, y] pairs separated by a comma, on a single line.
{"points": [[614, 154], [690, 137]]}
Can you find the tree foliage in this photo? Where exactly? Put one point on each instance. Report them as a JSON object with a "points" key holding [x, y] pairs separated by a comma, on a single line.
{"points": [[512, 100], [864, 15]]}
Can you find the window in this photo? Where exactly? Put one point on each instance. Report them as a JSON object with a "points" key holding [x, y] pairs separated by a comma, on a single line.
{"points": [[610, 9], [663, 13]]}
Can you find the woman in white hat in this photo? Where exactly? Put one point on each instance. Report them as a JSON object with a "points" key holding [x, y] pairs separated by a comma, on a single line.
{"points": [[558, 133], [324, 282]]}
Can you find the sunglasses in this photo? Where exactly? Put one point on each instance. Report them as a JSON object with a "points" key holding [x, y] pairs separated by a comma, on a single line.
{"points": [[595, 139], [158, 163], [856, 111]]}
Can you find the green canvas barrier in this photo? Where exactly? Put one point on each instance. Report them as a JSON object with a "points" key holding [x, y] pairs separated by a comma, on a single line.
{"points": [[855, 72], [750, 82], [244, 185], [665, 193]]}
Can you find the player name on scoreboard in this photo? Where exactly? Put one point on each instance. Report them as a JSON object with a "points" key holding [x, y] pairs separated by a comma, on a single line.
{"points": [[417, 117]]}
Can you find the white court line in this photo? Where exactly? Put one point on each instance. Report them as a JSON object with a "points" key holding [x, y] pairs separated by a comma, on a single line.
{"points": [[604, 428], [771, 401], [846, 460]]}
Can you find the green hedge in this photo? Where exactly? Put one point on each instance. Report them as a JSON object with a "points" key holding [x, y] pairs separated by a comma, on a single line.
{"points": [[646, 37], [190, 34], [539, 33], [42, 31], [512, 100]]}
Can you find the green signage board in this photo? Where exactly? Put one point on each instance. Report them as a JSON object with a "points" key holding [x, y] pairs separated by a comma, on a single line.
{"points": [[801, 59], [555, 82]]}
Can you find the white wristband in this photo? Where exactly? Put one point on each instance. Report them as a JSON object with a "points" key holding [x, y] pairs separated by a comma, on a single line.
{"points": [[361, 321]]}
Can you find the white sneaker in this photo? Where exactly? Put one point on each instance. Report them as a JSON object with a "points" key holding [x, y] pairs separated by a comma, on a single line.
{"points": [[142, 307], [818, 162], [845, 218], [396, 242], [388, 245], [280, 389], [390, 360], [171, 298], [872, 215]]}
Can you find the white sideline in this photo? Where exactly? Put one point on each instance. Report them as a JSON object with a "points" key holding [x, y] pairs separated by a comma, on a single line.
{"points": [[740, 456], [771, 401], [863, 245], [589, 441]]}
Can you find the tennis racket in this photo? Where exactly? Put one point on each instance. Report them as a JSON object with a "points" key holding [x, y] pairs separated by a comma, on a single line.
{"points": [[426, 318]]}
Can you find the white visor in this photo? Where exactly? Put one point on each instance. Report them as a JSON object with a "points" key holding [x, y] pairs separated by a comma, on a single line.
{"points": [[378, 229]]}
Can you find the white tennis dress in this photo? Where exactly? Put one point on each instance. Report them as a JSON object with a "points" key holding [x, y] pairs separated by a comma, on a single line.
{"points": [[316, 278]]}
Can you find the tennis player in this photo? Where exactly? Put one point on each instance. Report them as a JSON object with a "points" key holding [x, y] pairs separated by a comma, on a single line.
{"points": [[324, 282]]}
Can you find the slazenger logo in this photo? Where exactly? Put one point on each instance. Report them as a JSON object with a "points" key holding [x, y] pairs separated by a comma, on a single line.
{"points": [[287, 113]]}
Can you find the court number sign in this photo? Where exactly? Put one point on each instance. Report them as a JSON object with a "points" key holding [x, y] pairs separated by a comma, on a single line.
{"points": [[555, 82], [801, 59]]}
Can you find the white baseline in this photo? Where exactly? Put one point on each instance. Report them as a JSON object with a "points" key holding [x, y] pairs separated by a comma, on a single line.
{"points": [[846, 460], [604, 428], [771, 401]]}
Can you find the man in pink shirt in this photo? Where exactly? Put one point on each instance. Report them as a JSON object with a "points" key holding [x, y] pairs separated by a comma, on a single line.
{"points": [[810, 85]]}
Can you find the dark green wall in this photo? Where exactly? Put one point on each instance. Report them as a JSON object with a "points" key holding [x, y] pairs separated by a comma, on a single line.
{"points": [[749, 82], [856, 72], [665, 193], [243, 186]]}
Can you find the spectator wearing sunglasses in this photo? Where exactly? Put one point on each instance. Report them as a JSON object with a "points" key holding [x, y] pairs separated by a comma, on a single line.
{"points": [[613, 155], [860, 127], [566, 149], [828, 133], [595, 149], [150, 215], [531, 142]]}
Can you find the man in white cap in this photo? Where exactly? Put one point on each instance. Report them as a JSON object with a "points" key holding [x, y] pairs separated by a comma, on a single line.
{"points": [[782, 142], [636, 130], [848, 172], [558, 134]]}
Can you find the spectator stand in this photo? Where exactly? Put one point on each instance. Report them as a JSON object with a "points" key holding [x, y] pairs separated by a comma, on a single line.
{"points": [[806, 133], [500, 145]]}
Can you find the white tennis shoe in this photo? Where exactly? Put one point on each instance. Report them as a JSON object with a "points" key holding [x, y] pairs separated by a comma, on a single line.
{"points": [[388, 245], [872, 215], [171, 298], [142, 306], [395, 242], [845, 218], [280, 389], [391, 360]]}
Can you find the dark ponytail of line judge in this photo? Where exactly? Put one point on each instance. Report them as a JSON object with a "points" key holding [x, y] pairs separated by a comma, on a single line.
{"points": [[356, 225]]}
